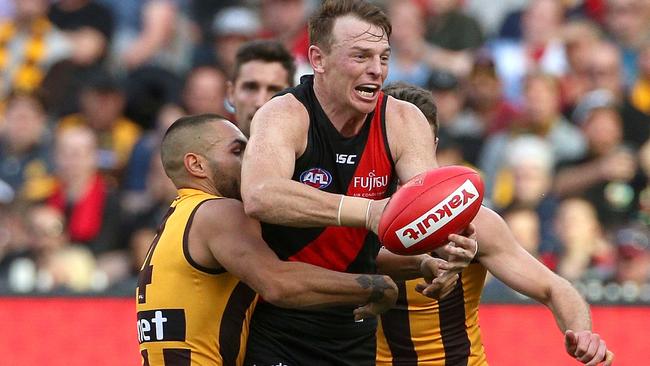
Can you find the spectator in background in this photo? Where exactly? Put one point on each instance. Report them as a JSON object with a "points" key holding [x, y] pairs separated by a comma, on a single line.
{"points": [[406, 59], [25, 146], [525, 226], [640, 90], [586, 252], [492, 17], [203, 11], [51, 263], [14, 239], [160, 192], [162, 36], [134, 187], [485, 100], [29, 45], [90, 28], [633, 255], [580, 36], [205, 91], [626, 22], [644, 196], [456, 122], [88, 25], [525, 182], [102, 107], [541, 116], [450, 28], [90, 205], [262, 69], [286, 21], [540, 48], [447, 46], [605, 72], [607, 175], [231, 28]]}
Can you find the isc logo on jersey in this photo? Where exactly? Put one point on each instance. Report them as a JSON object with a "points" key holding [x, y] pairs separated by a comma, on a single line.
{"points": [[317, 178], [437, 217]]}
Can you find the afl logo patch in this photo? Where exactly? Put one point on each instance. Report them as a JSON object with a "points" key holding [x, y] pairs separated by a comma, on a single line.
{"points": [[317, 178]]}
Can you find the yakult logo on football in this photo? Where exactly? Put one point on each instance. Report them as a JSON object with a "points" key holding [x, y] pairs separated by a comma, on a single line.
{"points": [[371, 181], [438, 216]]}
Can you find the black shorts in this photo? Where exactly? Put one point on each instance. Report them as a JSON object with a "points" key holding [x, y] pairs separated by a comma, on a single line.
{"points": [[281, 337]]}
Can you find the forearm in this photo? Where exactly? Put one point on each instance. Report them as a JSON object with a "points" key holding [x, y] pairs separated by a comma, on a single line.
{"points": [[569, 308], [399, 267], [287, 202], [305, 286]]}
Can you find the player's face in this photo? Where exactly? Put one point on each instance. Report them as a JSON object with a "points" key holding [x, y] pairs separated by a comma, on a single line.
{"points": [[357, 64], [225, 159], [257, 82]]}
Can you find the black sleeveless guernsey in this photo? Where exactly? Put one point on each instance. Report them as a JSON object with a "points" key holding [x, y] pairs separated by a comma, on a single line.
{"points": [[356, 166]]}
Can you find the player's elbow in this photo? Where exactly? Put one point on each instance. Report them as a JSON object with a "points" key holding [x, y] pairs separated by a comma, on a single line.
{"points": [[281, 293], [256, 201]]}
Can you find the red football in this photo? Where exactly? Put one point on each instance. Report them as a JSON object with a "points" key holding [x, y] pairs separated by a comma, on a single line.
{"points": [[428, 208]]}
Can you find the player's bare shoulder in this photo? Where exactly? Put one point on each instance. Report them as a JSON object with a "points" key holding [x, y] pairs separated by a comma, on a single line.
{"points": [[404, 121], [221, 215], [399, 113], [282, 112]]}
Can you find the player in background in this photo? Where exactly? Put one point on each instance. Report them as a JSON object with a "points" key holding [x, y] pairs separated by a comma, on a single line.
{"points": [[317, 171], [426, 332], [193, 296], [263, 68]]}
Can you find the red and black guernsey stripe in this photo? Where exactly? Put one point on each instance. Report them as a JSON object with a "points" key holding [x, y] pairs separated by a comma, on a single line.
{"points": [[360, 166]]}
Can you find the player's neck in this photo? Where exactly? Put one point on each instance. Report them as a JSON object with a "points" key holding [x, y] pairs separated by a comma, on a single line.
{"points": [[202, 185], [345, 119]]}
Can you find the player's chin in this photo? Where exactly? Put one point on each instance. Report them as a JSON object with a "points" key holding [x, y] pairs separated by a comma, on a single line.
{"points": [[364, 105]]}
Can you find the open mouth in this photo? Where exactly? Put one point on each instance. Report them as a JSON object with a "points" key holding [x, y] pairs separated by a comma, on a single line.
{"points": [[367, 91]]}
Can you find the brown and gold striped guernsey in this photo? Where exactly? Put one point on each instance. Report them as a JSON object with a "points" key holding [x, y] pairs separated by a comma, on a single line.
{"points": [[424, 332], [187, 314]]}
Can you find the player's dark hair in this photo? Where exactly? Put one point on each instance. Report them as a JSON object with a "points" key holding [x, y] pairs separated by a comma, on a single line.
{"points": [[168, 147], [267, 51], [421, 98], [322, 22]]}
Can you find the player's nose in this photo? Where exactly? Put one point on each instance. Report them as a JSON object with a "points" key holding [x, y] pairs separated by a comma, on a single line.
{"points": [[374, 67]]}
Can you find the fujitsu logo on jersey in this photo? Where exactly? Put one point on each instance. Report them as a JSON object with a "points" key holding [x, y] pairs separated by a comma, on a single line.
{"points": [[371, 181], [438, 216]]}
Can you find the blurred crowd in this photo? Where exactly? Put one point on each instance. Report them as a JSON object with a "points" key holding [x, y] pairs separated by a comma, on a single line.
{"points": [[549, 99]]}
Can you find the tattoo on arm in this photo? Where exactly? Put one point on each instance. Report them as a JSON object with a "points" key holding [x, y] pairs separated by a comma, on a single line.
{"points": [[376, 283]]}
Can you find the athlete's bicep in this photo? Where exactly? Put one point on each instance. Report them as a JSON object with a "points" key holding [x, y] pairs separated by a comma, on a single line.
{"points": [[274, 142], [410, 139], [507, 260], [235, 242]]}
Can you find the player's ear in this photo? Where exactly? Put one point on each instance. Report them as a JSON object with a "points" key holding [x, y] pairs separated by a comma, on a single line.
{"points": [[195, 165], [316, 59], [230, 93]]}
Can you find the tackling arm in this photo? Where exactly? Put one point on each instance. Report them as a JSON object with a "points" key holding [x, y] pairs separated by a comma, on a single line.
{"points": [[235, 241], [509, 262]]}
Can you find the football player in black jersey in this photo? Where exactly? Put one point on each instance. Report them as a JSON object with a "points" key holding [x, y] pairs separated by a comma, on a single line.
{"points": [[316, 173]]}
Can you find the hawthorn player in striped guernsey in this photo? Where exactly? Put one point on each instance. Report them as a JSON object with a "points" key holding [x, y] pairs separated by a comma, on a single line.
{"points": [[193, 296], [317, 171], [425, 332]]}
